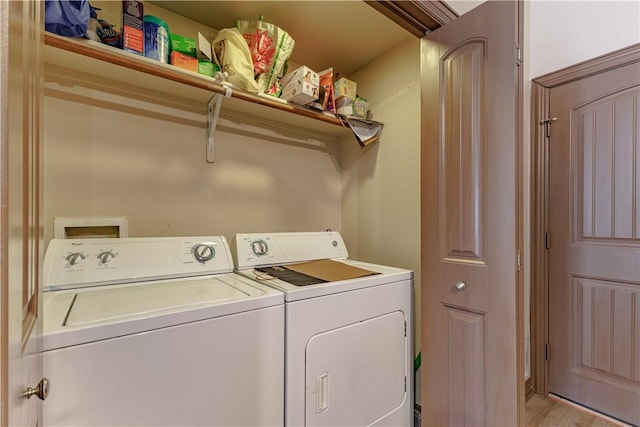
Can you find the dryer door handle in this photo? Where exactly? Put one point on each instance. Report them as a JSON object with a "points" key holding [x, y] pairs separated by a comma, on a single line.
{"points": [[322, 392]]}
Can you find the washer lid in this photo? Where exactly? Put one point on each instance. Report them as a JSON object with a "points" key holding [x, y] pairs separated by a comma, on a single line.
{"points": [[79, 316], [117, 302]]}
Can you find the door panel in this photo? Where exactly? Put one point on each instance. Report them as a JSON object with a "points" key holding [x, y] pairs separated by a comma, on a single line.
{"points": [[469, 167], [462, 171], [467, 347], [462, 211], [22, 74], [606, 339], [605, 150], [594, 268]]}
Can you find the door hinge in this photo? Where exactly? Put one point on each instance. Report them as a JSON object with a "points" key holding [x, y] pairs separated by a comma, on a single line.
{"points": [[547, 125], [518, 54], [405, 328], [547, 240], [405, 383], [546, 352], [518, 260]]}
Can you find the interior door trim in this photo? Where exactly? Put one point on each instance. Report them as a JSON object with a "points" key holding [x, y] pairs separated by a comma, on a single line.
{"points": [[600, 64], [541, 87], [417, 17]]}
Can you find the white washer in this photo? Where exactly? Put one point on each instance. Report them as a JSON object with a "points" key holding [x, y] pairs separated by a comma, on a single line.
{"points": [[159, 331], [348, 343]]}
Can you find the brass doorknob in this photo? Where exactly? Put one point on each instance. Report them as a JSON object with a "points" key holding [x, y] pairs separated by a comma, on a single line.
{"points": [[42, 390]]}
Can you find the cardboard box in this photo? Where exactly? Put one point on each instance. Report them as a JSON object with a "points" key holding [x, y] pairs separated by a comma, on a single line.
{"points": [[300, 92], [132, 26], [325, 100], [203, 50], [182, 44], [344, 88], [303, 73], [345, 106], [347, 110], [360, 107], [184, 61]]}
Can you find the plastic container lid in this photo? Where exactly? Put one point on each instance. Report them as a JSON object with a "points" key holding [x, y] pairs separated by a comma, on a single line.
{"points": [[157, 21]]}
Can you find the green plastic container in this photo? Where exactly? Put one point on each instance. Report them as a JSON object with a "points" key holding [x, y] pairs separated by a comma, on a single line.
{"points": [[182, 44], [207, 68]]}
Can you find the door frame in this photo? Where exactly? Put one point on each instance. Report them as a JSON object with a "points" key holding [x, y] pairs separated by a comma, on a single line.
{"points": [[541, 87]]}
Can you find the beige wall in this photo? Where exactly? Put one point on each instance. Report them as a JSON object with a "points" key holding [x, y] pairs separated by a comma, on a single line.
{"points": [[381, 182], [564, 33], [122, 161]]}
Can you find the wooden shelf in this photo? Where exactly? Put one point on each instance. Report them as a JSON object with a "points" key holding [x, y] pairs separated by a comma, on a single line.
{"points": [[92, 58]]}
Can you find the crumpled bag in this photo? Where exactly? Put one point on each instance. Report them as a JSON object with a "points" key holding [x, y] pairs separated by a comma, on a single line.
{"points": [[231, 53], [270, 48], [67, 17]]}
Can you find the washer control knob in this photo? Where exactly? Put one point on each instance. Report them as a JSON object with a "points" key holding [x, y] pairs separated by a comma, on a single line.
{"points": [[259, 247], [106, 256], [74, 258], [203, 252]]}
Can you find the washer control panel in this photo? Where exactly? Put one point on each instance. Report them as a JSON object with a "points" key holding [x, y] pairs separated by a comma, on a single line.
{"points": [[73, 263], [261, 249]]}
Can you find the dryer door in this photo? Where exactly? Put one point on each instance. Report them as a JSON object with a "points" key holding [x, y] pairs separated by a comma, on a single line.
{"points": [[356, 375]]}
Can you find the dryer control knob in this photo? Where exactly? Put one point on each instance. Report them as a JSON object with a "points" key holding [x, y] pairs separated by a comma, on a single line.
{"points": [[74, 258], [259, 247], [203, 252], [106, 256]]}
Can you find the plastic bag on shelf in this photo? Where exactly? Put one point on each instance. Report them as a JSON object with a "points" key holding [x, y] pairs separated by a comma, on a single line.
{"points": [[270, 48], [231, 54], [66, 17], [109, 34]]}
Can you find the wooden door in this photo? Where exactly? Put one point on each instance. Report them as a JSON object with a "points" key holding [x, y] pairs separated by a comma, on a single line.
{"points": [[21, 77], [594, 245], [473, 372]]}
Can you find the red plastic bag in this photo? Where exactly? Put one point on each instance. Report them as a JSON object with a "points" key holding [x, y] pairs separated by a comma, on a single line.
{"points": [[270, 48]]}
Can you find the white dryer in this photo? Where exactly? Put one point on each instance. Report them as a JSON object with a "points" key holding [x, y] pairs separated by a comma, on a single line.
{"points": [[159, 331], [348, 340]]}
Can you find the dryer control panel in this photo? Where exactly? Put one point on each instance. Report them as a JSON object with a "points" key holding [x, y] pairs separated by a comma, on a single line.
{"points": [[75, 263], [263, 249]]}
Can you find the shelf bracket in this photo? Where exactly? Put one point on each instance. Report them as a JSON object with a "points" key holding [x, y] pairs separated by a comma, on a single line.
{"points": [[213, 112]]}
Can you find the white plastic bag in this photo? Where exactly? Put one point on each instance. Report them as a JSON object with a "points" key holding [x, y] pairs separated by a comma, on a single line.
{"points": [[231, 53]]}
